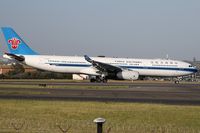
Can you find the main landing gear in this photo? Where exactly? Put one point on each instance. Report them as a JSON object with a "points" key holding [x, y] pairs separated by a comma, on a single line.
{"points": [[177, 82], [99, 79]]}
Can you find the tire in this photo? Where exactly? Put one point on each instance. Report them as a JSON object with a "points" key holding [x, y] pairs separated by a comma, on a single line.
{"points": [[176, 82], [92, 80]]}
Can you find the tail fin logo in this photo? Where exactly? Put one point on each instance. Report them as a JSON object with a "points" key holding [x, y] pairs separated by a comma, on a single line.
{"points": [[14, 42]]}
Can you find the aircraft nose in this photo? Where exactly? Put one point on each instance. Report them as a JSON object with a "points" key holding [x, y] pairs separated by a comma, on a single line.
{"points": [[196, 70]]}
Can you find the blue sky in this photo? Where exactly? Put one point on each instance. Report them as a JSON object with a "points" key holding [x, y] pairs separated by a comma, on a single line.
{"points": [[119, 28]]}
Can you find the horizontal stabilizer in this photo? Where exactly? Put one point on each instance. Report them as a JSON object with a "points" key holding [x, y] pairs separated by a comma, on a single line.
{"points": [[16, 57]]}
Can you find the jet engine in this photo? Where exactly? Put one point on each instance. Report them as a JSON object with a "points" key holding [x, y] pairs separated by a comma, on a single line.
{"points": [[128, 75]]}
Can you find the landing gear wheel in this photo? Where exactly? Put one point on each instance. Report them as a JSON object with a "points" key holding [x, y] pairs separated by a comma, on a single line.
{"points": [[176, 82], [92, 80], [99, 80]]}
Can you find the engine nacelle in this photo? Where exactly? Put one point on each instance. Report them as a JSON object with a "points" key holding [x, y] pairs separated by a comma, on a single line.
{"points": [[128, 75]]}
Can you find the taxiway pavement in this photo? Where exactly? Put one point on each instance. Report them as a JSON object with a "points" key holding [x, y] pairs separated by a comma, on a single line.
{"points": [[167, 93]]}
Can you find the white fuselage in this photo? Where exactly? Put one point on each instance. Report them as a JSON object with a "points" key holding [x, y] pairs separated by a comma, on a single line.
{"points": [[77, 64]]}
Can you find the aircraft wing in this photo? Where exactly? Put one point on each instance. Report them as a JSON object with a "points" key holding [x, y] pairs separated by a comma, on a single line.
{"points": [[104, 67]]}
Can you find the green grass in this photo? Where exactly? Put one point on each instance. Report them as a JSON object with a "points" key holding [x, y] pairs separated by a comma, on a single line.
{"points": [[83, 81], [22, 92], [42, 80], [44, 116], [64, 86]]}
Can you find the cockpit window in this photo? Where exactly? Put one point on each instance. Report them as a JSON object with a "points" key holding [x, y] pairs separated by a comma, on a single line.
{"points": [[190, 65]]}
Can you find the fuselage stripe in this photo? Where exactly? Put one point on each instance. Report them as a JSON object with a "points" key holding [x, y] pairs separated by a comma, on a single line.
{"points": [[131, 67]]}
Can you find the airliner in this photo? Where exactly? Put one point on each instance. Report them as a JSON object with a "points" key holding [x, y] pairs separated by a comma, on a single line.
{"points": [[99, 69]]}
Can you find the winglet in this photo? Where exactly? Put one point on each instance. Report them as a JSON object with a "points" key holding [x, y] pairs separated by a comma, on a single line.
{"points": [[87, 58]]}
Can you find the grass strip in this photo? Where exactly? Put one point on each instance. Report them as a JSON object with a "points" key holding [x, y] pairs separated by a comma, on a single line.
{"points": [[45, 116]]}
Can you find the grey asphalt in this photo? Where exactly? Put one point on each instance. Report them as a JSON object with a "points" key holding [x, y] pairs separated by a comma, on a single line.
{"points": [[166, 93]]}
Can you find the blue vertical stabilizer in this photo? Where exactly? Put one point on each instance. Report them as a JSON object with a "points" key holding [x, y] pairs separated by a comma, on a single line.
{"points": [[15, 44]]}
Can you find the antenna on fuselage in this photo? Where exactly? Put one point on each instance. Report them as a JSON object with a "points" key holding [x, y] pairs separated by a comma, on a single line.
{"points": [[167, 56]]}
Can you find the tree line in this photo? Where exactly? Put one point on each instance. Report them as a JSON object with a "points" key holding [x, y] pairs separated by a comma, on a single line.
{"points": [[18, 72]]}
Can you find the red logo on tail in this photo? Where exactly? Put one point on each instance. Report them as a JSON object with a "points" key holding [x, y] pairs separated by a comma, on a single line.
{"points": [[14, 42]]}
